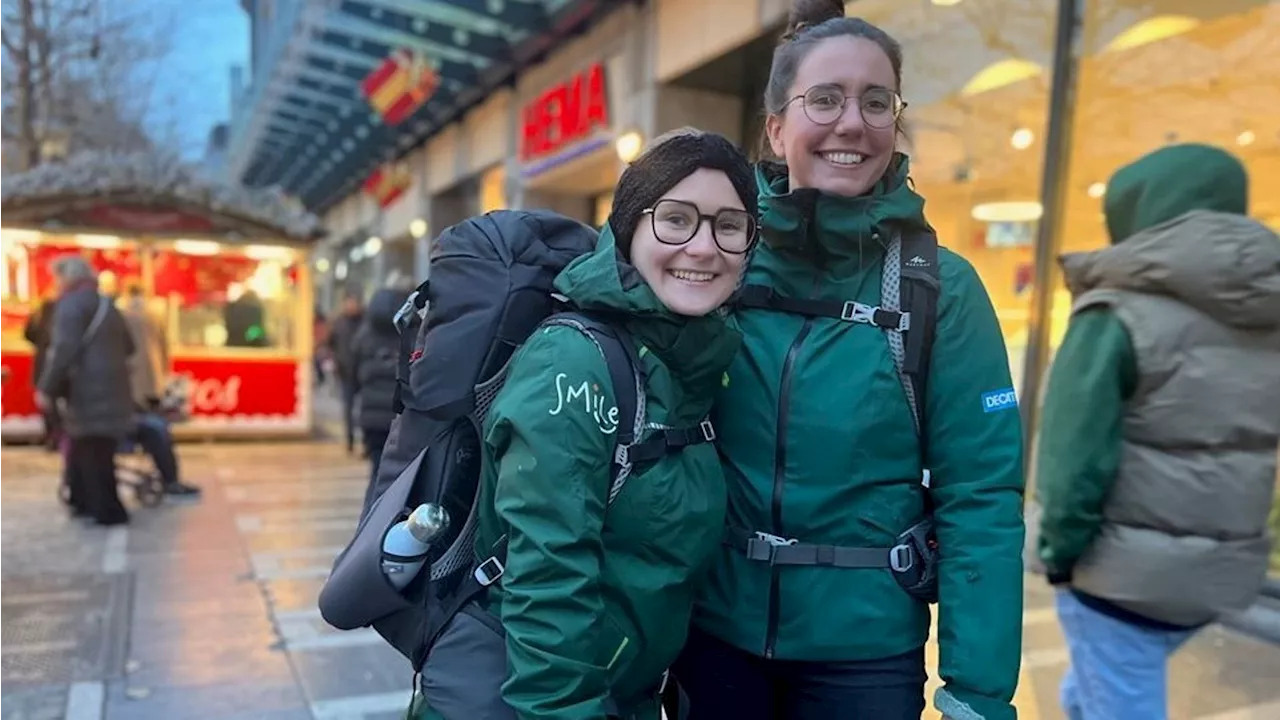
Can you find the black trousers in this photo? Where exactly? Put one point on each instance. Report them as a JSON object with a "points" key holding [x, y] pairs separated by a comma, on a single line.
{"points": [[91, 478], [725, 682]]}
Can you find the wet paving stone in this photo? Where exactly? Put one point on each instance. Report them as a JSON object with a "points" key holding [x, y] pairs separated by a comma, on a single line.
{"points": [[62, 628]]}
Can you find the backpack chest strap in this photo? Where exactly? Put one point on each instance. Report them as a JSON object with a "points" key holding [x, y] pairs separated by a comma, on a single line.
{"points": [[768, 548], [669, 441], [852, 311]]}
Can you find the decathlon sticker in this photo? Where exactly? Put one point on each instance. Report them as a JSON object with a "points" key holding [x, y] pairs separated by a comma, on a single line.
{"points": [[999, 400]]}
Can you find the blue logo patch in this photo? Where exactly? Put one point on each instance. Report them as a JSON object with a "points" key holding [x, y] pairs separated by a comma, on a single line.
{"points": [[999, 400]]}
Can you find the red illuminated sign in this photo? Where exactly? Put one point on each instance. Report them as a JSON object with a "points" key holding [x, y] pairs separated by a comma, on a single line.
{"points": [[564, 114]]}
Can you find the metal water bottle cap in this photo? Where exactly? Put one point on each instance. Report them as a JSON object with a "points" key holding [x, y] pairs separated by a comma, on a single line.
{"points": [[427, 521]]}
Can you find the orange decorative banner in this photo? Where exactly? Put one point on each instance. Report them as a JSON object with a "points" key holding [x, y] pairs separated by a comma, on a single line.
{"points": [[388, 183], [400, 85]]}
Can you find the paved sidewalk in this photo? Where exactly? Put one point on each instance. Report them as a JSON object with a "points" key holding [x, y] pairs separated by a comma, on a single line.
{"points": [[207, 610], [203, 610]]}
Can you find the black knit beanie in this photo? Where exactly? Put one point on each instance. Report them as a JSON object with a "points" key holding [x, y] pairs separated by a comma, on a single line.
{"points": [[671, 158]]}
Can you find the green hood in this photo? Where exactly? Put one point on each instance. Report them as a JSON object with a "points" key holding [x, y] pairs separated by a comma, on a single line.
{"points": [[695, 349], [1172, 181], [843, 225]]}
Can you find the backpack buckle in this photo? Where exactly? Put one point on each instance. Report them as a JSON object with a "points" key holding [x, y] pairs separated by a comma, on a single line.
{"points": [[488, 572], [854, 311], [708, 430], [775, 540], [900, 558]]}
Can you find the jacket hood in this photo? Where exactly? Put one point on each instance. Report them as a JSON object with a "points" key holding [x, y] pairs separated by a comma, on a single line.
{"points": [[382, 308], [824, 228], [696, 349], [1169, 182], [1223, 264]]}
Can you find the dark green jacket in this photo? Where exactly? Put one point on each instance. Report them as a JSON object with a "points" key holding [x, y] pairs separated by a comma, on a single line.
{"points": [[598, 603], [818, 444], [1095, 372]]}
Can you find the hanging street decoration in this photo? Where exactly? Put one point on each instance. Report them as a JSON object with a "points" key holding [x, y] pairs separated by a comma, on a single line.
{"points": [[387, 183], [400, 85]]}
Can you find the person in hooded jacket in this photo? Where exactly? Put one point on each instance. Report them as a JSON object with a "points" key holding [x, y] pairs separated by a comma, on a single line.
{"points": [[1156, 464], [374, 354], [86, 380], [595, 605], [819, 442]]}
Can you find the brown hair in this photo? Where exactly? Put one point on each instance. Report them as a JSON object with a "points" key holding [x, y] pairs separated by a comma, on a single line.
{"points": [[811, 22]]}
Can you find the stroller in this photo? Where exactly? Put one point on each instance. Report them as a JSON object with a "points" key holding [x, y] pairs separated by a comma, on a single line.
{"points": [[135, 470]]}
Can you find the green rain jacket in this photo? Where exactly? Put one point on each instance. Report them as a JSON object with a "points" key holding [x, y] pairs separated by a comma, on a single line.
{"points": [[595, 602], [818, 444]]}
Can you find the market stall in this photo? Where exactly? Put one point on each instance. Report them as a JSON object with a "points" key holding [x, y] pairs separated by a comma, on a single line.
{"points": [[222, 271]]}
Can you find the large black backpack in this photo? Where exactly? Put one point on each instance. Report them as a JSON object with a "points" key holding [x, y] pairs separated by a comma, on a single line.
{"points": [[908, 315], [490, 288]]}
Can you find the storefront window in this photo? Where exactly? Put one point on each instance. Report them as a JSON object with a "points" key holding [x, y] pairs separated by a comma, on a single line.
{"points": [[976, 76], [227, 300], [28, 279], [1161, 72]]}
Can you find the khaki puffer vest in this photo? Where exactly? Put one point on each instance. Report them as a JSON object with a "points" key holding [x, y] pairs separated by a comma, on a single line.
{"points": [[1184, 535]]}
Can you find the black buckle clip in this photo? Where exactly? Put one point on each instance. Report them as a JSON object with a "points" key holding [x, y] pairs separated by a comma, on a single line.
{"points": [[488, 572]]}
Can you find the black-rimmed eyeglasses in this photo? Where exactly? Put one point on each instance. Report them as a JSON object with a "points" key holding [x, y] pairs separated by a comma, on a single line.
{"points": [[824, 104], [675, 222]]}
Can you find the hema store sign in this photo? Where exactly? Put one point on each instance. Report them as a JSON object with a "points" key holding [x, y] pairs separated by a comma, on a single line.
{"points": [[563, 115]]}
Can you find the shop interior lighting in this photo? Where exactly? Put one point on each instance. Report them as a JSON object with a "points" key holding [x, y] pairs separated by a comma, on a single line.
{"points": [[1022, 138], [1154, 29], [999, 74], [1246, 138], [322, 265], [372, 246], [946, 3], [356, 254], [100, 242], [340, 270], [196, 247], [20, 237], [418, 228], [1012, 211], [1097, 190], [269, 252], [628, 146]]}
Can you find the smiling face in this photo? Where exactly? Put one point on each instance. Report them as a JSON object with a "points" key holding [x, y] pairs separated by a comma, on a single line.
{"points": [[697, 277], [846, 157]]}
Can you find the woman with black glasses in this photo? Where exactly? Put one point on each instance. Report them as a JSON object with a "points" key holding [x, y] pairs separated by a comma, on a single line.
{"points": [[599, 577]]}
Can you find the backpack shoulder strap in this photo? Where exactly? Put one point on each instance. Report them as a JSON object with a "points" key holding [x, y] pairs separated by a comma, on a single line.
{"points": [[627, 375], [919, 286], [407, 321]]}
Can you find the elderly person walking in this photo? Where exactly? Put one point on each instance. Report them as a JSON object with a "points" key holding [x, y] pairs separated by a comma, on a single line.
{"points": [[86, 378]]}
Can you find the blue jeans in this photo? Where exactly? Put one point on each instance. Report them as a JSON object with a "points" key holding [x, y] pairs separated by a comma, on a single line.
{"points": [[1118, 669], [725, 682]]}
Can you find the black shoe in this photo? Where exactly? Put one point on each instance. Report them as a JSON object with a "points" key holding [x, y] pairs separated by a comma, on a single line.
{"points": [[180, 489]]}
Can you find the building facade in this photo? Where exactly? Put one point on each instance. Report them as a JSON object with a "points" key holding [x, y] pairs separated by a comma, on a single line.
{"points": [[1019, 111]]}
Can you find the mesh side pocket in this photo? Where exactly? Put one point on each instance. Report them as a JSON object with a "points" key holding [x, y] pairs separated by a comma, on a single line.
{"points": [[461, 554]]}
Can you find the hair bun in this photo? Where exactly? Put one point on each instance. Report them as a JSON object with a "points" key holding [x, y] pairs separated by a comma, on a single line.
{"points": [[808, 13]]}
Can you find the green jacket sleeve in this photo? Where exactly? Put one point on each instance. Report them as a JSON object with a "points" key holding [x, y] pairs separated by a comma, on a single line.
{"points": [[1093, 373], [974, 451], [551, 493]]}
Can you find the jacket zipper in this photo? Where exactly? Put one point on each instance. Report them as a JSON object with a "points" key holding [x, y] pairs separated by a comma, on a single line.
{"points": [[780, 476]]}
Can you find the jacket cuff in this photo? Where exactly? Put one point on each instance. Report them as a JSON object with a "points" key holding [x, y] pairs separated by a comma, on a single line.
{"points": [[1058, 577], [957, 704]]}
